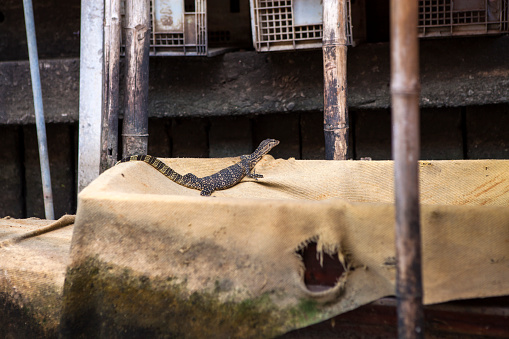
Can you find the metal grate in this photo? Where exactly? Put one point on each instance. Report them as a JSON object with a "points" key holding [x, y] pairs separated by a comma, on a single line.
{"points": [[462, 17], [166, 39], [434, 13], [308, 32], [286, 25], [174, 29], [276, 20], [469, 17]]}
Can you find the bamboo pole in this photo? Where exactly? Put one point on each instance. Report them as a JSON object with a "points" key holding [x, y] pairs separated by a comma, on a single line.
{"points": [[135, 124], [335, 87], [109, 130], [405, 89]]}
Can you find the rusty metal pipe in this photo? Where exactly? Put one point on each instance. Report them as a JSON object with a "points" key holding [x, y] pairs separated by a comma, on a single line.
{"points": [[335, 110], [405, 90], [135, 124]]}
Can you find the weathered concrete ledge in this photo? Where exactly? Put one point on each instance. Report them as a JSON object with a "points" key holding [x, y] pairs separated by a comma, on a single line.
{"points": [[454, 72]]}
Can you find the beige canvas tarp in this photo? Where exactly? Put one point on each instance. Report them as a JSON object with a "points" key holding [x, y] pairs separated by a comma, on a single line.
{"points": [[151, 257], [32, 273]]}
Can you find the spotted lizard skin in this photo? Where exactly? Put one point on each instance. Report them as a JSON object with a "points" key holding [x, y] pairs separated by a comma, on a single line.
{"points": [[225, 178]]}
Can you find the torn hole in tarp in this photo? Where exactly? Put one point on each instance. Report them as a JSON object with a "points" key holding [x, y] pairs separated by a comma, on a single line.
{"points": [[325, 268]]}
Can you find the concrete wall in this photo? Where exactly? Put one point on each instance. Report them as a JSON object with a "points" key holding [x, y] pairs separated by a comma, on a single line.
{"points": [[454, 73], [57, 24]]}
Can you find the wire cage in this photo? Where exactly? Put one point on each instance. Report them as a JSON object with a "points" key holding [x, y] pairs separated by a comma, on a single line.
{"points": [[439, 18], [289, 24], [178, 27]]}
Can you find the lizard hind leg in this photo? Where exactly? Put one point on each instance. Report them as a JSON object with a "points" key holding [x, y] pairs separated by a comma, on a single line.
{"points": [[189, 177], [191, 180]]}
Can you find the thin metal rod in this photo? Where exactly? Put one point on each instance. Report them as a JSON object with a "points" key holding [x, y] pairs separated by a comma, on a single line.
{"points": [[39, 111], [335, 110], [405, 88], [135, 124]]}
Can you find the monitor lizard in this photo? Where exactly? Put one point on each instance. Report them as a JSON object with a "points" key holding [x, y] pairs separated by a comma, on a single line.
{"points": [[225, 178]]}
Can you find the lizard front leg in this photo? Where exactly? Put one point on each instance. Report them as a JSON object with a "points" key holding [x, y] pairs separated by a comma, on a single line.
{"points": [[254, 176], [207, 192]]}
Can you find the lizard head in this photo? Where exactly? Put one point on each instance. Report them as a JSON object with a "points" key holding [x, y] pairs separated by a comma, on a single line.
{"points": [[264, 148], [268, 144]]}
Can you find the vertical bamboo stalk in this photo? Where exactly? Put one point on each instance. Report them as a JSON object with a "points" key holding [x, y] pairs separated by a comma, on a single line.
{"points": [[106, 83], [405, 88], [335, 87], [109, 130], [135, 125]]}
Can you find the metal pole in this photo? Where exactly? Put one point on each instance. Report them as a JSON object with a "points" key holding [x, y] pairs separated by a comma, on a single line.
{"points": [[109, 129], [335, 110], [405, 89], [91, 90], [135, 124], [39, 111]]}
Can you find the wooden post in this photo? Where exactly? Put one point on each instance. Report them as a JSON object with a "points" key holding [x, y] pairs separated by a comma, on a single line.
{"points": [[335, 89], [405, 89], [109, 129], [135, 125]]}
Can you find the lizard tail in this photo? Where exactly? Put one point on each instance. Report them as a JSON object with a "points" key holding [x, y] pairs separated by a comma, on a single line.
{"points": [[187, 180]]}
